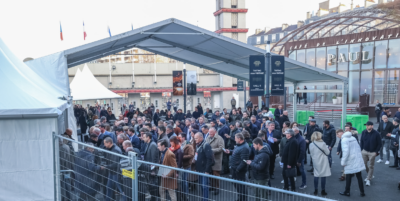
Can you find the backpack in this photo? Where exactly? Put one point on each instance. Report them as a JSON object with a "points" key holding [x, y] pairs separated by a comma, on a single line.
{"points": [[212, 158]]}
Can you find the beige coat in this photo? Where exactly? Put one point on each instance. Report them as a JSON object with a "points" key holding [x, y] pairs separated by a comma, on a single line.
{"points": [[319, 159], [216, 143]]}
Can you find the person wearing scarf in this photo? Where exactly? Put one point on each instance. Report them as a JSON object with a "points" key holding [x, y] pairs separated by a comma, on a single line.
{"points": [[176, 149]]}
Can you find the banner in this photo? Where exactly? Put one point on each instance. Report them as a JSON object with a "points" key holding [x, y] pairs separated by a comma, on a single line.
{"points": [[191, 80], [207, 94], [257, 77], [166, 94], [177, 89], [240, 85], [277, 75]]}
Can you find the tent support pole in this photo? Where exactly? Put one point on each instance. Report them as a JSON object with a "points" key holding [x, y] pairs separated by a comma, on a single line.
{"points": [[294, 102], [184, 88], [244, 90], [344, 102]]}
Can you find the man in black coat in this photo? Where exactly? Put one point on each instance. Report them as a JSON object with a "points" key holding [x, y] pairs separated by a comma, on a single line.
{"points": [[329, 137], [253, 130], [156, 117], [378, 111], [278, 112], [260, 167], [274, 138], [112, 165], [204, 159], [289, 159], [385, 127], [305, 96], [238, 165], [179, 115], [196, 114], [282, 119]]}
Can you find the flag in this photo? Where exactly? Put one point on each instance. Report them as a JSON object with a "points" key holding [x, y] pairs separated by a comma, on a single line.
{"points": [[109, 31], [61, 36], [84, 32]]}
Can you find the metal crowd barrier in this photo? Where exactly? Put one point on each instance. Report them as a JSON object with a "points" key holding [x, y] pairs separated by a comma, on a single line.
{"points": [[78, 176]]}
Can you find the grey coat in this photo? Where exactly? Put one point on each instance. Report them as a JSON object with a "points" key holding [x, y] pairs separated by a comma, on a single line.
{"points": [[320, 160], [216, 143]]}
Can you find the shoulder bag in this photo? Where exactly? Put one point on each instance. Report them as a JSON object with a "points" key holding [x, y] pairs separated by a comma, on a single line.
{"points": [[320, 149]]}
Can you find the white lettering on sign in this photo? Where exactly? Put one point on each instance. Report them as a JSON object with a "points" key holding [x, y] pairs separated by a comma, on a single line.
{"points": [[317, 44], [373, 38], [359, 40], [351, 56], [365, 56], [389, 35], [352, 41], [341, 58], [366, 39]]}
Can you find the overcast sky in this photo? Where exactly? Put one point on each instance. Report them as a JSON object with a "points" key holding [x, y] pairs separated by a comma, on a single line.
{"points": [[31, 27]]}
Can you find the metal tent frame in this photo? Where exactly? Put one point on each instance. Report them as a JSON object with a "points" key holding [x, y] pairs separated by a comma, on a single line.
{"points": [[200, 47]]}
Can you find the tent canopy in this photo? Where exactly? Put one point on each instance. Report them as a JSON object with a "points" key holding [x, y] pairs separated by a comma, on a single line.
{"points": [[92, 90], [25, 92], [197, 46]]}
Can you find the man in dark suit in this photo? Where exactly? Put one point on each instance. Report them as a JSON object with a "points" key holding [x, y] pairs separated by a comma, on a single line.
{"points": [[278, 112], [274, 138], [385, 127], [283, 118]]}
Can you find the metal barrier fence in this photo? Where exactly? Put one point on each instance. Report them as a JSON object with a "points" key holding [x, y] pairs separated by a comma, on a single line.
{"points": [[94, 173]]}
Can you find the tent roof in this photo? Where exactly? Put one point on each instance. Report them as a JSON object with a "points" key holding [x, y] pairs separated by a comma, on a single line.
{"points": [[197, 46], [92, 90], [25, 93]]}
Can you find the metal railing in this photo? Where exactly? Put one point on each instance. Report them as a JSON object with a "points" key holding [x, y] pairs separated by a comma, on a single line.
{"points": [[94, 173]]}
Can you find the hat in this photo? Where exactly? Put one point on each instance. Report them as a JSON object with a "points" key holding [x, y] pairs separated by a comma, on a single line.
{"points": [[222, 120], [369, 123], [270, 115], [313, 120]]}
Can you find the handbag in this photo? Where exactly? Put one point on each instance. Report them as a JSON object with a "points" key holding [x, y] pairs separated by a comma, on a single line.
{"points": [[291, 172]]}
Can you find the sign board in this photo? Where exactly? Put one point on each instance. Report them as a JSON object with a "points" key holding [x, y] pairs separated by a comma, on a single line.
{"points": [[191, 80], [177, 89], [240, 85], [277, 75], [257, 75], [127, 173]]}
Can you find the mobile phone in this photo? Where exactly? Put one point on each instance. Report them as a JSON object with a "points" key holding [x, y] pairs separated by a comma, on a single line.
{"points": [[152, 167], [223, 149], [245, 161]]}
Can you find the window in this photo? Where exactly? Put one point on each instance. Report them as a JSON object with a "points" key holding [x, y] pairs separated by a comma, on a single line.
{"points": [[235, 36], [332, 58], [281, 35], [321, 58], [394, 54], [354, 57], [342, 57], [366, 58], [301, 56], [266, 38], [354, 86], [156, 103], [134, 103], [258, 39], [273, 37], [366, 82], [234, 20], [392, 87], [310, 57], [379, 86], [234, 27], [292, 54], [198, 101], [380, 54]]}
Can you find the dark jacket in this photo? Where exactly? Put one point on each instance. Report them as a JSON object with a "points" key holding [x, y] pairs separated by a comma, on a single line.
{"points": [[329, 136], [290, 152], [370, 142], [234, 118], [274, 146], [196, 114], [239, 153], [215, 117], [253, 130], [282, 120], [305, 94], [156, 118], [179, 157], [378, 108], [136, 142], [388, 129], [310, 130], [260, 164], [302, 147], [231, 141], [224, 130], [85, 169], [151, 153], [278, 113], [179, 116], [112, 161], [200, 109], [204, 158]]}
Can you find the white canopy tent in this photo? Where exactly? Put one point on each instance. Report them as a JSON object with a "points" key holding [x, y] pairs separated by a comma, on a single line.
{"points": [[85, 86], [30, 111]]}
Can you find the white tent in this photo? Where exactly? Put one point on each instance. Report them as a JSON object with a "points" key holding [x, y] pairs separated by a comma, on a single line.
{"points": [[86, 87], [77, 75], [30, 111]]}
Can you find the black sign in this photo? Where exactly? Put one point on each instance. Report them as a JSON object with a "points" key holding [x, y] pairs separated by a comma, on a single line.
{"points": [[277, 75], [240, 86], [257, 77]]}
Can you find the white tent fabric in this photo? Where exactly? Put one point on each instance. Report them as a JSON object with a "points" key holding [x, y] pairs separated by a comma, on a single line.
{"points": [[28, 93], [73, 82], [86, 87]]}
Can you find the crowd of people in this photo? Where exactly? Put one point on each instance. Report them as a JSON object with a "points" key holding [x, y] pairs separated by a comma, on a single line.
{"points": [[243, 145]]}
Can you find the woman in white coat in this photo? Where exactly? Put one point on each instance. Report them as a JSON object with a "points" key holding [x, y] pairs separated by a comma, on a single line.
{"points": [[352, 161], [319, 153]]}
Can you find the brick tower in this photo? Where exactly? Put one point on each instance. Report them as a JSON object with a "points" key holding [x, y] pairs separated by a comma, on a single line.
{"points": [[230, 19]]}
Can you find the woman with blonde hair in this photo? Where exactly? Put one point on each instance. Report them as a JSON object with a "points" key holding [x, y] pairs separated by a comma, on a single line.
{"points": [[319, 153]]}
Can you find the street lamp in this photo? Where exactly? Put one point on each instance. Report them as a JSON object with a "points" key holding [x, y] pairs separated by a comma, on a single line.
{"points": [[267, 67]]}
